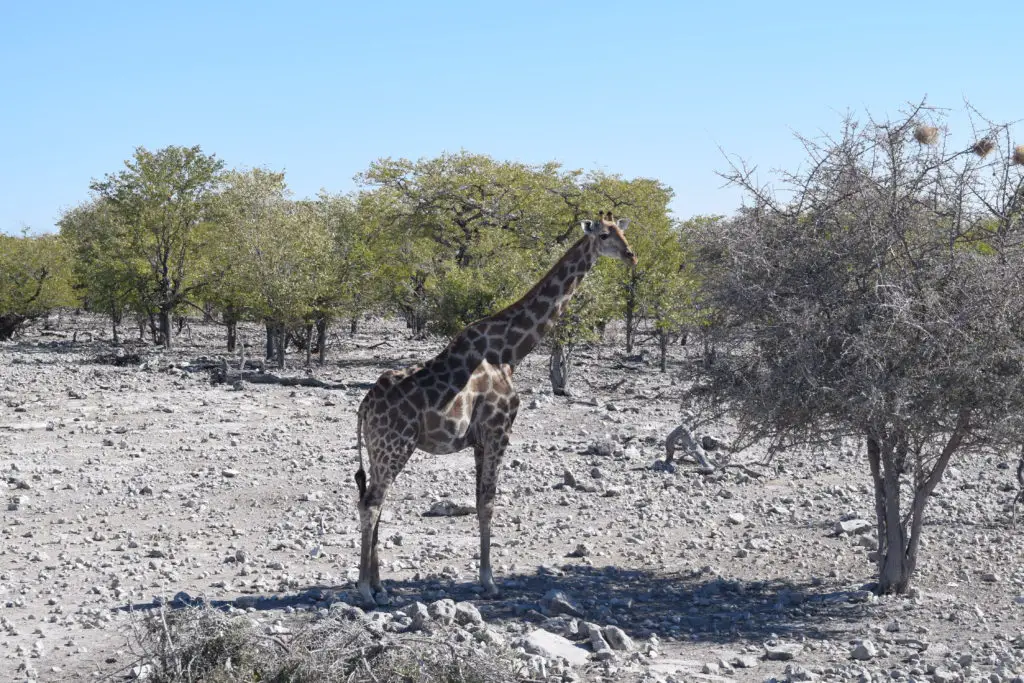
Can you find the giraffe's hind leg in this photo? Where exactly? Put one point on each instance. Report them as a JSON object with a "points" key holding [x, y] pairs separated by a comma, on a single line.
{"points": [[370, 506], [488, 461], [375, 582], [383, 467]]}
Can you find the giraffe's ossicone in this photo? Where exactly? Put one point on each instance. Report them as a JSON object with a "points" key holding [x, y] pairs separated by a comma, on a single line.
{"points": [[464, 397]]}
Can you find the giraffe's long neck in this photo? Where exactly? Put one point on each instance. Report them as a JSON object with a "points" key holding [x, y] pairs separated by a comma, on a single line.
{"points": [[511, 334]]}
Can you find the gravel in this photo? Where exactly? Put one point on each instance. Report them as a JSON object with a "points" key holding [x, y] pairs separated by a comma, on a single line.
{"points": [[138, 485]]}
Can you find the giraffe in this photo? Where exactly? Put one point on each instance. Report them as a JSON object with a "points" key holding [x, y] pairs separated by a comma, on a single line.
{"points": [[464, 397]]}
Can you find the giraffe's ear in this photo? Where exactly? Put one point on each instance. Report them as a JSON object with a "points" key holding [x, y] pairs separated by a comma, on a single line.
{"points": [[588, 226], [623, 224]]}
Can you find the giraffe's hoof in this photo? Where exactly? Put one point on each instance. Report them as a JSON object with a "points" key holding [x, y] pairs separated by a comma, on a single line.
{"points": [[491, 592], [382, 598]]}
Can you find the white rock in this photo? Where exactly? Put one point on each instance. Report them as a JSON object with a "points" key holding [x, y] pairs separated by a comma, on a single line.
{"points": [[443, 610], [467, 614], [864, 651], [783, 651], [552, 645], [853, 526], [618, 639]]}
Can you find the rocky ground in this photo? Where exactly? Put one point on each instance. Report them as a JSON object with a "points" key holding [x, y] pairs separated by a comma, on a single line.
{"points": [[135, 484]]}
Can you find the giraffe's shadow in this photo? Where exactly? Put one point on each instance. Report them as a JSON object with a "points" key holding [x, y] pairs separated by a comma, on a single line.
{"points": [[670, 606]]}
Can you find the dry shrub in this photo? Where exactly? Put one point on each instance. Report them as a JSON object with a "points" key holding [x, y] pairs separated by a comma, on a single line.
{"points": [[820, 333], [1018, 155], [983, 147], [199, 644], [926, 135]]}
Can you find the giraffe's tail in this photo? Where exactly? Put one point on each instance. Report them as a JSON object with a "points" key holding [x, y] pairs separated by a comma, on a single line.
{"points": [[360, 473]]}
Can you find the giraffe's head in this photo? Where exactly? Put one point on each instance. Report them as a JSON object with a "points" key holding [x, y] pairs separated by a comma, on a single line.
{"points": [[610, 234]]}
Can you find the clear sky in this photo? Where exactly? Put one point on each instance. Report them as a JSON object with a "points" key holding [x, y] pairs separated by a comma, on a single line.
{"points": [[320, 89]]}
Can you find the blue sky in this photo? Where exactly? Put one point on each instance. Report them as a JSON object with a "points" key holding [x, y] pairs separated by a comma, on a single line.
{"points": [[320, 89]]}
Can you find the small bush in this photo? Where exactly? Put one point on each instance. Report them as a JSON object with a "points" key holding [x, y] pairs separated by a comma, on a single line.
{"points": [[200, 644]]}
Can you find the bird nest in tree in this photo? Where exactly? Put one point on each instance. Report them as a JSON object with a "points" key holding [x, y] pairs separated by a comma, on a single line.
{"points": [[983, 147], [926, 135], [1018, 154]]}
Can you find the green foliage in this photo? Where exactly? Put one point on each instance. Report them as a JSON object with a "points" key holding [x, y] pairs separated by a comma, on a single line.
{"points": [[159, 203], [354, 255], [450, 224], [275, 255], [35, 278], [653, 289], [108, 276], [460, 295], [442, 241]]}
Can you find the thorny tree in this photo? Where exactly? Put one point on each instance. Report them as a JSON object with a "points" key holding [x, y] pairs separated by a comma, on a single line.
{"points": [[878, 297]]}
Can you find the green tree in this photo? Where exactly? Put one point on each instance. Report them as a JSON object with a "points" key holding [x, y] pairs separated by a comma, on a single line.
{"points": [[277, 255], [652, 235], [448, 219], [595, 303], [107, 275], [355, 263], [666, 291], [35, 278], [161, 201]]}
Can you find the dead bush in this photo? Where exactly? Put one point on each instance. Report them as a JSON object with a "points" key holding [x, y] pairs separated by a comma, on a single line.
{"points": [[199, 644], [880, 300]]}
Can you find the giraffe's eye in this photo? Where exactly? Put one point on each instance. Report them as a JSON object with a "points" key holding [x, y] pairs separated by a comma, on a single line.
{"points": [[603, 235]]}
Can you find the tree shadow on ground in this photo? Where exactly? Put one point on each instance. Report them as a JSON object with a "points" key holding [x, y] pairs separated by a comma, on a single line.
{"points": [[48, 346], [672, 606]]}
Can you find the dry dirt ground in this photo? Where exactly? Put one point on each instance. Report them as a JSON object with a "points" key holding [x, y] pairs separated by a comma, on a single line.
{"points": [[128, 485]]}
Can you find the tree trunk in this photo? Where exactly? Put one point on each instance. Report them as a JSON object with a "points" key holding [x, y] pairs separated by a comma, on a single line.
{"points": [[231, 323], [897, 545], [9, 324], [632, 321], [559, 367], [894, 571], [353, 325], [309, 344], [321, 338], [115, 319], [630, 313], [282, 342], [663, 349], [271, 340], [165, 327]]}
